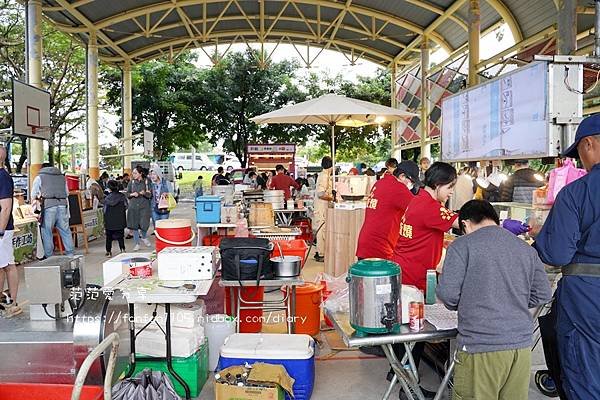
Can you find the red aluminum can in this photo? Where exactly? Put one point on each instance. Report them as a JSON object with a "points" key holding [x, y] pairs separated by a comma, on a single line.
{"points": [[415, 316]]}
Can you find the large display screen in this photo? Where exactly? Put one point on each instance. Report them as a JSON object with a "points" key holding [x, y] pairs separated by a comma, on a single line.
{"points": [[503, 118]]}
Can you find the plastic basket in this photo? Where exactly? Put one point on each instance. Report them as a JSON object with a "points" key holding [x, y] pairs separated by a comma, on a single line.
{"points": [[294, 247], [46, 391]]}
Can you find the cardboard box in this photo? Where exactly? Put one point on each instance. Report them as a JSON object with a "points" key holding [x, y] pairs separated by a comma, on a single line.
{"points": [[228, 392], [272, 382], [261, 214]]}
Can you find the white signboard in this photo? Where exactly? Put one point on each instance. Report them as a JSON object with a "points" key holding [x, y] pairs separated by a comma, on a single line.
{"points": [[506, 117], [148, 143]]}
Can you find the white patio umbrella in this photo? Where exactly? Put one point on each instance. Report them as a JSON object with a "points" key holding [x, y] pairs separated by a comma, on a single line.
{"points": [[333, 109]]}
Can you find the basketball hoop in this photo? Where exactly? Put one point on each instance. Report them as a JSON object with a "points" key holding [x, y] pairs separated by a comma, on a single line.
{"points": [[42, 132]]}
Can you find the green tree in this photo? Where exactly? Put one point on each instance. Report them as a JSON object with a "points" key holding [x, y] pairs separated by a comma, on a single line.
{"points": [[238, 89], [63, 73], [163, 95]]}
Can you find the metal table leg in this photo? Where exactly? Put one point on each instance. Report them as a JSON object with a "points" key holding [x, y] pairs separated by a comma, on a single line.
{"points": [[407, 380], [388, 392], [293, 309], [288, 310], [446, 379], [169, 356], [131, 322]]}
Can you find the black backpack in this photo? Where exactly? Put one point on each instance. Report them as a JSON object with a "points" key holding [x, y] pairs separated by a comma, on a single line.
{"points": [[245, 259]]}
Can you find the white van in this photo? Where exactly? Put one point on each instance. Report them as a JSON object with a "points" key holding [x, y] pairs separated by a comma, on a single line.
{"points": [[192, 162]]}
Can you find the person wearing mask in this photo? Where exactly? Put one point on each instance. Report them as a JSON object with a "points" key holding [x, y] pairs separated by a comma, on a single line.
{"points": [[8, 269], [386, 205], [494, 337], [139, 192], [391, 164], [421, 241], [115, 220], [323, 195], [570, 238], [424, 164], [160, 189], [361, 168], [520, 185], [198, 186], [281, 181], [311, 181], [252, 179], [50, 189]]}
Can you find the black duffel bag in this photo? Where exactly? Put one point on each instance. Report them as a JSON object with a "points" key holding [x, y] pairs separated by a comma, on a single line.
{"points": [[246, 259]]}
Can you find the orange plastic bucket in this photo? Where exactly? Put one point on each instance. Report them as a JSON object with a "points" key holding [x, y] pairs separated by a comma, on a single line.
{"points": [[308, 308], [173, 233]]}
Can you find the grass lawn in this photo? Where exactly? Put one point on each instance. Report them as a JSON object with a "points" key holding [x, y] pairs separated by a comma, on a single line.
{"points": [[189, 177]]}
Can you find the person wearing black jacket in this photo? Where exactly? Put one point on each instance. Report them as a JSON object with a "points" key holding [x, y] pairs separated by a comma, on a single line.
{"points": [[115, 221], [520, 185]]}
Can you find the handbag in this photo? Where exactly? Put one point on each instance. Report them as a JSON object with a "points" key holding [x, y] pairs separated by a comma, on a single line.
{"points": [[172, 203], [245, 259], [147, 385], [561, 177], [163, 203]]}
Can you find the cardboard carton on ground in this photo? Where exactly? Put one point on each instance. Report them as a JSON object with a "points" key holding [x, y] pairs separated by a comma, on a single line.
{"points": [[273, 381]]}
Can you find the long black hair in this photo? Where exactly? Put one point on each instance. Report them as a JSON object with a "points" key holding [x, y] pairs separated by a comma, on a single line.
{"points": [[439, 174]]}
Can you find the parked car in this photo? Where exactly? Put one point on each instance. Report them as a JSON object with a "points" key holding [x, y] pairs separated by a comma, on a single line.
{"points": [[192, 162]]}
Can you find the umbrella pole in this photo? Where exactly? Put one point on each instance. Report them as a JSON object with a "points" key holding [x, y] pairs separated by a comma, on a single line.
{"points": [[333, 152]]}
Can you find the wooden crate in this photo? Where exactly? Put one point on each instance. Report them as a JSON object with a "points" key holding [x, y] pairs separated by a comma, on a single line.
{"points": [[261, 214], [341, 239]]}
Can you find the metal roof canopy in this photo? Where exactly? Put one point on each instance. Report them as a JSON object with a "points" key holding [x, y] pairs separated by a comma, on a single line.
{"points": [[382, 31]]}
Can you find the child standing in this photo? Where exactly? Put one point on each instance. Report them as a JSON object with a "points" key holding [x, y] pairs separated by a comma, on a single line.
{"points": [[115, 220]]}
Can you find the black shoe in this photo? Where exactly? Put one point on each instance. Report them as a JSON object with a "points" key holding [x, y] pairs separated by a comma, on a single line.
{"points": [[319, 258], [372, 350], [108, 254]]}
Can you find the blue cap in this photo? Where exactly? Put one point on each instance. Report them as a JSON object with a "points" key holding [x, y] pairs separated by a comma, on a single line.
{"points": [[590, 126]]}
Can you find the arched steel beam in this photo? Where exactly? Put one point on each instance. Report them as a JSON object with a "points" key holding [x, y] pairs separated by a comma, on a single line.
{"points": [[156, 32], [508, 17], [382, 58], [142, 11]]}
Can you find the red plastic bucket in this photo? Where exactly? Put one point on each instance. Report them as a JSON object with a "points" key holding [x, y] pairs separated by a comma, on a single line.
{"points": [[296, 247], [173, 233], [250, 320], [72, 182], [308, 308]]}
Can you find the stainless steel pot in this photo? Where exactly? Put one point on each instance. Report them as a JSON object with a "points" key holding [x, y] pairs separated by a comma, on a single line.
{"points": [[286, 266]]}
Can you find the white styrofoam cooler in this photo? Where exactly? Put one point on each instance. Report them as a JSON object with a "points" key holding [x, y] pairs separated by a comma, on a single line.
{"points": [[187, 263], [184, 342], [118, 265], [186, 315]]}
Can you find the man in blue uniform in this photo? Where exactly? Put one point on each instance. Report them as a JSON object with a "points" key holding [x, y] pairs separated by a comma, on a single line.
{"points": [[570, 238]]}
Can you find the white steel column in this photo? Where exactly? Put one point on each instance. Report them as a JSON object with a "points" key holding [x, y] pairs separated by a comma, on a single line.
{"points": [[126, 107], [92, 107], [474, 36], [425, 147], [34, 76]]}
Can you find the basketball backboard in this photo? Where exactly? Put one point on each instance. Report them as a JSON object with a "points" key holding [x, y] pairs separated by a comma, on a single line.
{"points": [[31, 111]]}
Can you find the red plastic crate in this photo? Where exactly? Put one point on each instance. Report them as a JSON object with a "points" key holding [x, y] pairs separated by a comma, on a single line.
{"points": [[46, 391], [214, 239], [296, 247]]}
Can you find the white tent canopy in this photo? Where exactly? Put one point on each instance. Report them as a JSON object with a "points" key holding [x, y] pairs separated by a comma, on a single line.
{"points": [[333, 109]]}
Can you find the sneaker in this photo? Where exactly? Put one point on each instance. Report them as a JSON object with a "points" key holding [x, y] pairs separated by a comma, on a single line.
{"points": [[108, 254], [136, 247], [319, 258], [10, 310], [146, 242], [5, 297]]}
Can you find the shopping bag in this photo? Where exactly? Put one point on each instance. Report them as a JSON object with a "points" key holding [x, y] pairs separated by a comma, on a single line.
{"points": [[147, 385], [561, 177], [163, 203], [172, 203]]}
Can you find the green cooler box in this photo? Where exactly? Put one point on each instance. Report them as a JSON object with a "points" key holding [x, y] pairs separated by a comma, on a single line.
{"points": [[193, 370]]}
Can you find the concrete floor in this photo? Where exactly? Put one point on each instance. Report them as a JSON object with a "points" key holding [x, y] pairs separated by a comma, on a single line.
{"points": [[347, 374]]}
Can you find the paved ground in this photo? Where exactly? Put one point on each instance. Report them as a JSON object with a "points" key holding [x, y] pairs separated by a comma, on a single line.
{"points": [[339, 374]]}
